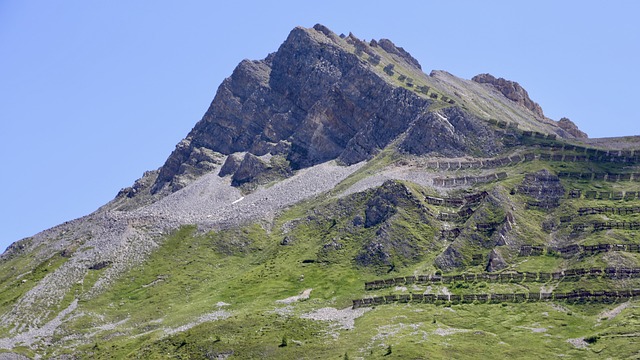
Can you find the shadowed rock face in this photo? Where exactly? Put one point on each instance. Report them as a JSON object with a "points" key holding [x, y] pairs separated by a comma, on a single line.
{"points": [[511, 90], [315, 100]]}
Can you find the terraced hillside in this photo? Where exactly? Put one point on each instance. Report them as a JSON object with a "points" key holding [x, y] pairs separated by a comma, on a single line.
{"points": [[475, 228], [528, 264]]}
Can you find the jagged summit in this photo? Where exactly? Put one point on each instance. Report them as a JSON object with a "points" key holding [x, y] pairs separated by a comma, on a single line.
{"points": [[321, 97]]}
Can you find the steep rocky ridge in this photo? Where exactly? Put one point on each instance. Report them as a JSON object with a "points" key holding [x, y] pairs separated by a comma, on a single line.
{"points": [[321, 97]]}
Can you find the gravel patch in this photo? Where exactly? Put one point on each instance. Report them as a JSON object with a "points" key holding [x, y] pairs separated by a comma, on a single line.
{"points": [[412, 174], [212, 202], [302, 296], [124, 239], [534, 329], [610, 314], [578, 343], [448, 331], [344, 319], [559, 308], [43, 333], [213, 316], [386, 331], [284, 311], [12, 356], [110, 326]]}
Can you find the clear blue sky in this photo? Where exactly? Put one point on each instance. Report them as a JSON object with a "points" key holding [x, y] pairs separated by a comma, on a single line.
{"points": [[93, 93]]}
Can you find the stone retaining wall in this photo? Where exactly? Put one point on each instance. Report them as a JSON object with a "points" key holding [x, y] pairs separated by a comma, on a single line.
{"points": [[598, 156], [468, 180], [505, 277], [576, 296], [529, 250]]}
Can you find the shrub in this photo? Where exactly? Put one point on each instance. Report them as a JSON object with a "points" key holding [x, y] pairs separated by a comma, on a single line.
{"points": [[389, 351], [389, 69], [591, 339]]}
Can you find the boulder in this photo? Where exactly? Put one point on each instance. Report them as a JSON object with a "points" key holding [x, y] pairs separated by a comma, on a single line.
{"points": [[250, 168], [230, 165]]}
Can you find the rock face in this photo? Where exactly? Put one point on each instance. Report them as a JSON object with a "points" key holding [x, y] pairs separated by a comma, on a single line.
{"points": [[391, 48], [511, 90], [230, 165], [254, 170], [380, 210], [315, 100], [570, 127], [496, 262], [385, 201], [250, 168]]}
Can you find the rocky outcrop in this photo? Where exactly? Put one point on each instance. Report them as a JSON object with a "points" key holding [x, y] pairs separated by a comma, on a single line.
{"points": [[384, 202], [250, 168], [488, 227], [230, 165], [496, 261], [316, 100], [391, 48], [512, 91], [190, 162], [383, 212], [450, 258], [254, 170], [570, 127], [449, 132]]}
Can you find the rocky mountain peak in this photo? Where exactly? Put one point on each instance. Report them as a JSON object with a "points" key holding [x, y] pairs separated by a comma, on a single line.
{"points": [[511, 90], [435, 183], [322, 97]]}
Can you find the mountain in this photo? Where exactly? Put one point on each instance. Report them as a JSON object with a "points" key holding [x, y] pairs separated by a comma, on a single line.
{"points": [[335, 201]]}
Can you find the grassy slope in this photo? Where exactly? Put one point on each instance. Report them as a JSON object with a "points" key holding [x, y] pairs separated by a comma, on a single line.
{"points": [[249, 269]]}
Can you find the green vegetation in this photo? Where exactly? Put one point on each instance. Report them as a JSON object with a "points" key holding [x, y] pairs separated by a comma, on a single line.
{"points": [[208, 295], [19, 275]]}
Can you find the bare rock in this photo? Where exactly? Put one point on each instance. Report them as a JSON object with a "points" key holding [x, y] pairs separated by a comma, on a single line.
{"points": [[250, 168], [230, 165], [496, 261], [511, 90], [391, 48], [314, 100], [449, 259], [384, 202], [570, 127]]}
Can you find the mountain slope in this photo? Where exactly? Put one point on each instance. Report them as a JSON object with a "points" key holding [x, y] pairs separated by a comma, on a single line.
{"points": [[322, 97], [322, 168]]}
